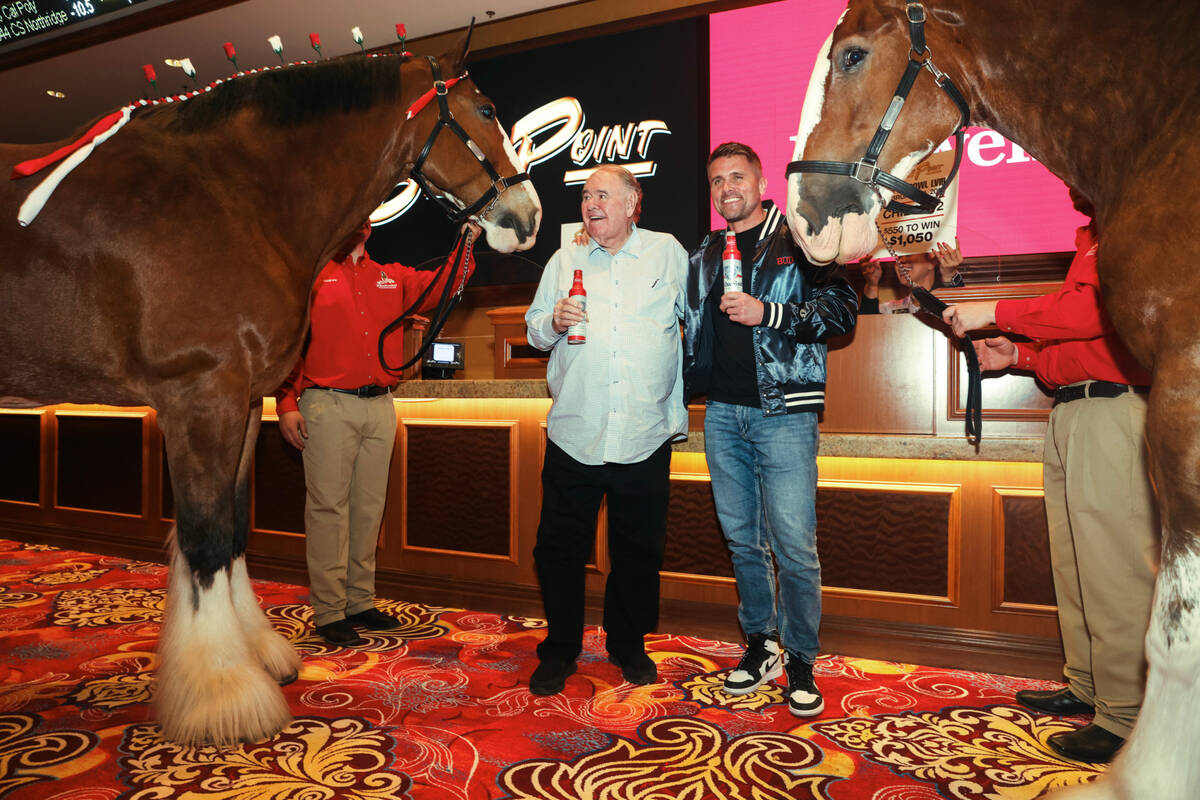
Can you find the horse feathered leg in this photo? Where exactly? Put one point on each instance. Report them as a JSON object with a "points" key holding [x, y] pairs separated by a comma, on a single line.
{"points": [[274, 652], [1163, 758], [211, 685]]}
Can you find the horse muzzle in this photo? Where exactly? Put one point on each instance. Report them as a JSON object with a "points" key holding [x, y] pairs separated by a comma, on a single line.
{"points": [[513, 222], [832, 219]]}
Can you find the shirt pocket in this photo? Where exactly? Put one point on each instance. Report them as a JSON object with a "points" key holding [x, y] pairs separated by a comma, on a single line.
{"points": [[654, 308], [655, 339]]}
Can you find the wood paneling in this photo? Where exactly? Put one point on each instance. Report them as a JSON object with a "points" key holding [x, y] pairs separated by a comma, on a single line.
{"points": [[278, 484], [458, 488], [515, 358], [918, 554], [1007, 395], [99, 462], [21, 466], [877, 539], [695, 545], [1023, 578], [881, 378]]}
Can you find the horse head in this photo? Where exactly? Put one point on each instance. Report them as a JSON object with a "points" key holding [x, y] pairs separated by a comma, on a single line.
{"points": [[489, 185], [852, 89]]}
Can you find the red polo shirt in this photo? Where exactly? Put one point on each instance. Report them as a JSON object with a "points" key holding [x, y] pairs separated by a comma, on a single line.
{"points": [[1077, 339], [351, 304]]}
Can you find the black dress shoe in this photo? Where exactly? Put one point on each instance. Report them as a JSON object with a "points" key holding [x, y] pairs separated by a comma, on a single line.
{"points": [[636, 668], [551, 675], [1060, 702], [373, 619], [1091, 743], [341, 633]]}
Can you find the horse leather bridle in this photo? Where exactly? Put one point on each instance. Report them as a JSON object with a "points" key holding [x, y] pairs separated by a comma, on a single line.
{"points": [[461, 251], [866, 169], [446, 120]]}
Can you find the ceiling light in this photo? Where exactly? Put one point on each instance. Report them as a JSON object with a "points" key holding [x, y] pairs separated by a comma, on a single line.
{"points": [[55, 93]]}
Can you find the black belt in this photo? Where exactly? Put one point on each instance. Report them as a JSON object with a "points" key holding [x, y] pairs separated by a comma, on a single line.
{"points": [[370, 390], [1065, 394]]}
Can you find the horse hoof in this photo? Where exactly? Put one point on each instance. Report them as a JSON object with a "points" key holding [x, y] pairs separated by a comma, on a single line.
{"points": [[198, 704]]}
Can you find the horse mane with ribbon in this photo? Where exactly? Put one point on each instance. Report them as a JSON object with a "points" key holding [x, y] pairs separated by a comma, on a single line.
{"points": [[342, 84]]}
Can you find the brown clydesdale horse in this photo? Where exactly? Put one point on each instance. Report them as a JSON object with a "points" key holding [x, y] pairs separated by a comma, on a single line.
{"points": [[1106, 94], [173, 269]]}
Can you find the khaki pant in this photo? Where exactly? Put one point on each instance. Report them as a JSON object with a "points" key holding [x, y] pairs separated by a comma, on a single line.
{"points": [[1104, 545], [346, 460]]}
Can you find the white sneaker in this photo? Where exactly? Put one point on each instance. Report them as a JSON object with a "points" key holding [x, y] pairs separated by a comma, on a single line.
{"points": [[804, 698], [762, 662]]}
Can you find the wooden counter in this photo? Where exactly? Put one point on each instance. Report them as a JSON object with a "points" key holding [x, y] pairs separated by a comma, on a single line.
{"points": [[931, 551], [852, 445]]}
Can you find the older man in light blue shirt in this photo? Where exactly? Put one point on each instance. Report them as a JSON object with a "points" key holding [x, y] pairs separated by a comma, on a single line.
{"points": [[617, 405]]}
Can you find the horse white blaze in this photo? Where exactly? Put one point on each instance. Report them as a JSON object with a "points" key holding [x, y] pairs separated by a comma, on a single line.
{"points": [[211, 688], [810, 115], [844, 238], [274, 652], [505, 239]]}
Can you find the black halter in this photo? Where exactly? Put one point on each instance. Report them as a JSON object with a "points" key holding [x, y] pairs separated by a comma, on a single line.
{"points": [[866, 169], [447, 120]]}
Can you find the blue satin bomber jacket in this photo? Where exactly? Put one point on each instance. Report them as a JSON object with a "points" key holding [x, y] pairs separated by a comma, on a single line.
{"points": [[804, 305]]}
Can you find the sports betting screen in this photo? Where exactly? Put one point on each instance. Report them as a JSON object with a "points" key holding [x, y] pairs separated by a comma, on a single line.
{"points": [[22, 20]]}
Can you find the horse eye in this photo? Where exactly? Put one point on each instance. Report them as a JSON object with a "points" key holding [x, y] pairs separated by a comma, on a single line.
{"points": [[852, 57], [487, 112]]}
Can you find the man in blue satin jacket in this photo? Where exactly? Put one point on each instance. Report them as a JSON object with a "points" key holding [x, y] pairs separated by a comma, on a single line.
{"points": [[759, 356]]}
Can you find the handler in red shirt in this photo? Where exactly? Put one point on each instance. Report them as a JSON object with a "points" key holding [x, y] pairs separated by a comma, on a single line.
{"points": [[1104, 540], [336, 407]]}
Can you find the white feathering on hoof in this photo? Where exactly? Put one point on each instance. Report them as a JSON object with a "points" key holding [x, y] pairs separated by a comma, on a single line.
{"points": [[211, 688], [274, 652]]}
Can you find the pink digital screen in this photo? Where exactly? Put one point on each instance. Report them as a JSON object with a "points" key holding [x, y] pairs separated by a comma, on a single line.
{"points": [[760, 59]]}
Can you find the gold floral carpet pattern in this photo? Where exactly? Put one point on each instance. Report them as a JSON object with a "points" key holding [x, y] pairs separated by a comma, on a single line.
{"points": [[440, 709]]}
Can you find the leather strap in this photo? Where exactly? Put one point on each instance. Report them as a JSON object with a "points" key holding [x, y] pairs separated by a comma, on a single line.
{"points": [[930, 304]]}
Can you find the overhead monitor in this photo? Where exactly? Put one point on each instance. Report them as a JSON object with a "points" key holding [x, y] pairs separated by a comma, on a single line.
{"points": [[24, 22]]}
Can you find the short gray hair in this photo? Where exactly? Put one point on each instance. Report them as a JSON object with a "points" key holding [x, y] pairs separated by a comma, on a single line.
{"points": [[631, 183]]}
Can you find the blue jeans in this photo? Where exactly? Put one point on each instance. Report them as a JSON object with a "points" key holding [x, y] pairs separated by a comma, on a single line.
{"points": [[764, 482]]}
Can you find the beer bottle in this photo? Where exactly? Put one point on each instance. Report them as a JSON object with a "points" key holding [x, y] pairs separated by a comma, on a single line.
{"points": [[731, 263], [577, 333]]}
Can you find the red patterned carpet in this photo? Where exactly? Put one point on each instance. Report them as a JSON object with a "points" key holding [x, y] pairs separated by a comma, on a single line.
{"points": [[440, 709]]}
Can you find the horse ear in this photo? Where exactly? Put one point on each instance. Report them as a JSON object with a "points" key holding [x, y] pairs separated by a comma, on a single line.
{"points": [[458, 57]]}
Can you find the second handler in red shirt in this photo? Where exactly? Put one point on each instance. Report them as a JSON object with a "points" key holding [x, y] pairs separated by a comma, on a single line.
{"points": [[336, 407], [1100, 509]]}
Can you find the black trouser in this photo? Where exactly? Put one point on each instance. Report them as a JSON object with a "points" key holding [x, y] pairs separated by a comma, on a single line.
{"points": [[637, 521]]}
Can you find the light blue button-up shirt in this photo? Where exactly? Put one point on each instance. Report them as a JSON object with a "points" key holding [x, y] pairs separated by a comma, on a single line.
{"points": [[618, 397]]}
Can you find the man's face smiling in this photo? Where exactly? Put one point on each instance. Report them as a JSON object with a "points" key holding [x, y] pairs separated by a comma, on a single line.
{"points": [[607, 209], [736, 188]]}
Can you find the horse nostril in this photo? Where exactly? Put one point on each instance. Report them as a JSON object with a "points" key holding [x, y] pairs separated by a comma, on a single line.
{"points": [[522, 228]]}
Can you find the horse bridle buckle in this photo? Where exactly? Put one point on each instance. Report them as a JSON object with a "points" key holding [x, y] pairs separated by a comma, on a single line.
{"points": [[861, 166], [440, 87], [938, 75], [908, 11]]}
